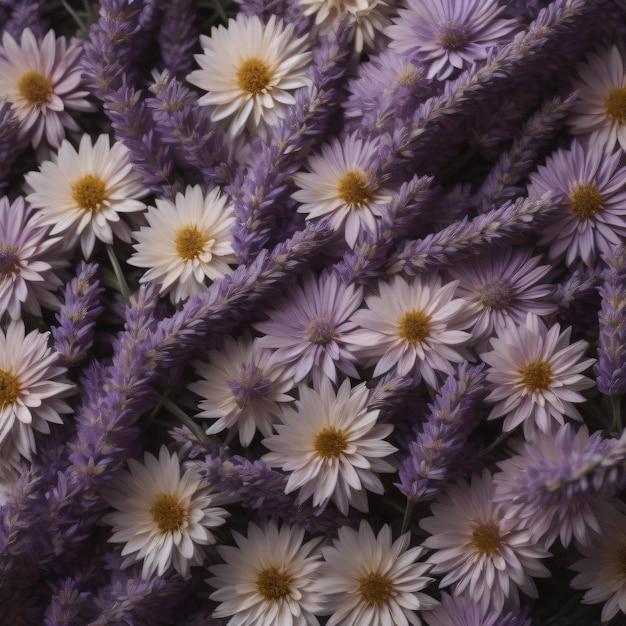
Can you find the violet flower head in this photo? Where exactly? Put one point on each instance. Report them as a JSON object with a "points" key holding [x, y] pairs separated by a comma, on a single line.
{"points": [[610, 369], [449, 35]]}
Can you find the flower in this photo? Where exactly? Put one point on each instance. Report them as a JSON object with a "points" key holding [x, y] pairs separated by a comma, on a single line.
{"points": [[162, 517], [370, 580], [185, 242], [448, 35], [249, 71], [602, 570], [412, 325], [341, 183], [81, 194], [266, 580], [241, 389], [479, 548], [332, 446], [592, 215], [599, 112], [42, 82], [501, 285], [534, 376], [308, 329], [28, 260], [31, 386], [369, 17]]}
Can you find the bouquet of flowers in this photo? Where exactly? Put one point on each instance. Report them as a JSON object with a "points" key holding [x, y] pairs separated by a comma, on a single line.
{"points": [[312, 312]]}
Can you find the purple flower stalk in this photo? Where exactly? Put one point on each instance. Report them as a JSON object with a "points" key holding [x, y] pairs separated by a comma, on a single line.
{"points": [[73, 337], [444, 434], [177, 35], [10, 144], [610, 368], [27, 14]]}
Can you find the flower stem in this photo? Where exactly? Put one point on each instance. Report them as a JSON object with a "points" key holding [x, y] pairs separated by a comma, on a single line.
{"points": [[121, 281], [616, 413], [185, 419], [408, 516]]}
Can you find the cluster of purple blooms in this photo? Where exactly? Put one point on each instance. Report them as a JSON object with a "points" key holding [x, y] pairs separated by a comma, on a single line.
{"points": [[312, 312]]}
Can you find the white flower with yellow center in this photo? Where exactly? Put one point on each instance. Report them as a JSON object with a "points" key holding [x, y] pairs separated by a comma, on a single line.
{"points": [[370, 580], [250, 70], [267, 579], [31, 386], [41, 80], [332, 445], [162, 517], [186, 242], [81, 194]]}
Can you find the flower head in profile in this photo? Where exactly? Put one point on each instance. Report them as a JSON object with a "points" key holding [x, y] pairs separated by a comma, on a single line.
{"points": [[308, 328], [32, 385], [332, 446], [412, 325], [42, 81], [371, 580], [249, 71], [449, 35], [163, 518], [267, 579], [602, 570], [503, 284], [599, 112], [479, 548], [186, 242], [239, 387], [28, 260], [341, 184], [535, 376], [593, 215], [81, 194]]}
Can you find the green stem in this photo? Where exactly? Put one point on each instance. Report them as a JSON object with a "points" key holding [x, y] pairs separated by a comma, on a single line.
{"points": [[616, 412], [495, 443], [408, 516], [81, 25], [185, 419], [121, 281]]}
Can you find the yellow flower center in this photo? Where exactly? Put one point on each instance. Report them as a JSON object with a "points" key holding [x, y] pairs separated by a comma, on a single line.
{"points": [[375, 588], [352, 189], [9, 388], [495, 294], [190, 243], [320, 331], [585, 202], [536, 376], [414, 326], [330, 443], [273, 584], [615, 105], [9, 263], [35, 88], [486, 538], [453, 36], [253, 76], [168, 513], [89, 192]]}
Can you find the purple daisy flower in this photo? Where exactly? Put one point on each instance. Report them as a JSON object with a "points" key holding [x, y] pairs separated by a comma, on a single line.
{"points": [[449, 35], [592, 219], [307, 329]]}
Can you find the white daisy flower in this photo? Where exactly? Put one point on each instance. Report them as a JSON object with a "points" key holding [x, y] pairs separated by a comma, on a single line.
{"points": [[250, 70], [267, 579], [340, 184], [162, 517], [412, 326], [41, 80], [479, 549], [535, 375], [185, 242], [599, 111], [81, 194], [370, 580], [602, 570], [31, 386], [240, 389], [332, 446]]}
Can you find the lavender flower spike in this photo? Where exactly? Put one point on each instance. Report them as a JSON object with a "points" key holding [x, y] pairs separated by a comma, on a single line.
{"points": [[74, 335], [452, 418], [611, 366]]}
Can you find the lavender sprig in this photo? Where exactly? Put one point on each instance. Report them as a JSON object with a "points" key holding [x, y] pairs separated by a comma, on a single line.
{"points": [[610, 369], [177, 36], [10, 144], [77, 318], [452, 418], [27, 14]]}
